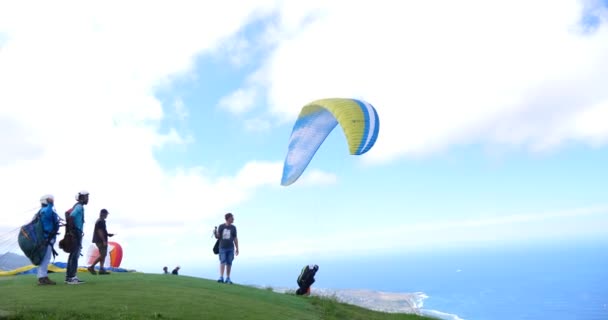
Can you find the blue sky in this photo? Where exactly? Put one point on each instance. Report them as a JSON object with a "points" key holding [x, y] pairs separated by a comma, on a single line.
{"points": [[488, 135]]}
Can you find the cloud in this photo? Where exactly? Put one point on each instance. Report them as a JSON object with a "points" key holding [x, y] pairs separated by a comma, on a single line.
{"points": [[180, 109], [590, 124], [447, 73], [317, 177], [78, 106], [442, 233], [16, 144], [244, 99], [79, 111], [239, 101], [257, 124]]}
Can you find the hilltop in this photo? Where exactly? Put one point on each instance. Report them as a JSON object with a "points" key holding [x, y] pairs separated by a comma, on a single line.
{"points": [[157, 296]]}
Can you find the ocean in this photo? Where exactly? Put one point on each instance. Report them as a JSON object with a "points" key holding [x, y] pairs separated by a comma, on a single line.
{"points": [[560, 281]]}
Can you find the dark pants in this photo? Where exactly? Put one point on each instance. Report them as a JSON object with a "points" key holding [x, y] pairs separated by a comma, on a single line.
{"points": [[73, 257], [103, 250]]}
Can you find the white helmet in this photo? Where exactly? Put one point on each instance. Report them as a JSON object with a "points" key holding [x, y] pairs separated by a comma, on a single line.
{"points": [[44, 200], [81, 193]]}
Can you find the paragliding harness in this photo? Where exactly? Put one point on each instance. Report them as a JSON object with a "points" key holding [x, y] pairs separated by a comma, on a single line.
{"points": [[306, 279], [32, 241], [68, 243]]}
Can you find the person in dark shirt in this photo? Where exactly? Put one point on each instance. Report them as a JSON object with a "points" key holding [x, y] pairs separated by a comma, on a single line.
{"points": [[100, 238], [175, 271], [229, 246]]}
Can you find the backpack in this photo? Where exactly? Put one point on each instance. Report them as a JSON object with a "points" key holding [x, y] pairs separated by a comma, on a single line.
{"points": [[306, 279], [216, 246], [32, 241], [68, 243]]}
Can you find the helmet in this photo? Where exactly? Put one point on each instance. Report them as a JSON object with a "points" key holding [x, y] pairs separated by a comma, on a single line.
{"points": [[44, 200], [82, 193]]}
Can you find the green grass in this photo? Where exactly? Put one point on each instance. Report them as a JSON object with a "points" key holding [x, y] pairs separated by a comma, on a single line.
{"points": [[157, 296]]}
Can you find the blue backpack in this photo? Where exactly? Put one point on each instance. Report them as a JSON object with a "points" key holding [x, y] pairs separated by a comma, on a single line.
{"points": [[32, 241]]}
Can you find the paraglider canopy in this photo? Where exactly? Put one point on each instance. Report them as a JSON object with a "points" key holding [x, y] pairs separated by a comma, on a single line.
{"points": [[357, 118], [113, 258]]}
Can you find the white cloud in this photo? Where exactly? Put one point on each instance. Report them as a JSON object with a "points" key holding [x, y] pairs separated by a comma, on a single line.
{"points": [[244, 99], [471, 231], [445, 73], [317, 177], [239, 101], [591, 124], [78, 110], [16, 143], [257, 124], [180, 109], [238, 51]]}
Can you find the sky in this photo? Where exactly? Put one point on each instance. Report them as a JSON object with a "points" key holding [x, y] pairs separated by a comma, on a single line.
{"points": [[492, 123]]}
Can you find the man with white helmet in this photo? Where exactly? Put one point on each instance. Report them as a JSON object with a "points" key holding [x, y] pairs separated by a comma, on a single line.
{"points": [[78, 217], [50, 226]]}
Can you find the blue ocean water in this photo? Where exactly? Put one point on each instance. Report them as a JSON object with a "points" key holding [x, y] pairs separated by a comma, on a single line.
{"points": [[559, 281]]}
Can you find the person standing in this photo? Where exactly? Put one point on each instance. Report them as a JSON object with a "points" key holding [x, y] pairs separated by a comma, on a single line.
{"points": [[77, 215], [50, 226], [229, 246], [100, 239]]}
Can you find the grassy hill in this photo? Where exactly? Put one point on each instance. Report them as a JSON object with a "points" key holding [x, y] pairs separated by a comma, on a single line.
{"points": [[157, 296]]}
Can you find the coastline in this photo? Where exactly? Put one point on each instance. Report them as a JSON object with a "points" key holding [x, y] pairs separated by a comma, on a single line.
{"points": [[391, 302]]}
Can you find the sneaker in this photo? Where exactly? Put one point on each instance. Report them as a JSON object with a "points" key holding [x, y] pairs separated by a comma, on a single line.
{"points": [[220, 280], [228, 281], [103, 272], [75, 280], [92, 270]]}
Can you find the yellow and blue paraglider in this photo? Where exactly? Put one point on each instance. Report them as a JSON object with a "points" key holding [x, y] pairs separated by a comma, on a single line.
{"points": [[357, 118]]}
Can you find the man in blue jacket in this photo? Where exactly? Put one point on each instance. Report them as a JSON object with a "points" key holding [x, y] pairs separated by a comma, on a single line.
{"points": [[78, 215], [50, 226]]}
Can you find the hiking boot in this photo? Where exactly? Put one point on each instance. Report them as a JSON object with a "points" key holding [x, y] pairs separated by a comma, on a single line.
{"points": [[92, 270], [103, 271], [45, 281]]}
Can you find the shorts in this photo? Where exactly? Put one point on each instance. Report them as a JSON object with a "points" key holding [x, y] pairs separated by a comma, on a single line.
{"points": [[226, 256], [103, 250]]}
